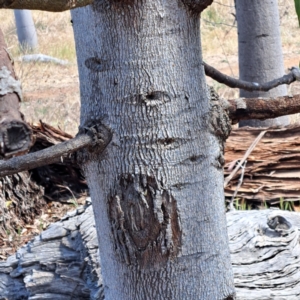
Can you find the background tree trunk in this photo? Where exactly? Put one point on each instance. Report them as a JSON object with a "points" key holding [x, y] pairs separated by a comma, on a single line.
{"points": [[158, 189], [260, 51], [25, 29]]}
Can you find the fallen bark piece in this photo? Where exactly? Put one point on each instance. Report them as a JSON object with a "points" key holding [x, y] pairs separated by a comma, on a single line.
{"points": [[272, 172], [265, 254]]}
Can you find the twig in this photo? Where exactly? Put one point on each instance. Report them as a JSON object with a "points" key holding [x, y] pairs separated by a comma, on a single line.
{"points": [[248, 152], [249, 86], [52, 154], [243, 167]]}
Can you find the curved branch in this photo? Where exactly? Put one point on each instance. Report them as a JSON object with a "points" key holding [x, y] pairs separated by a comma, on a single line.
{"points": [[249, 86], [57, 152], [262, 108], [53, 5]]}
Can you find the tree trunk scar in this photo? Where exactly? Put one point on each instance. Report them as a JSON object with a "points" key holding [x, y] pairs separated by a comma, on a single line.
{"points": [[145, 222]]}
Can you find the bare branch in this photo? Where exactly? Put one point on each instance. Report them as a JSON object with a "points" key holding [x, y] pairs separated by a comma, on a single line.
{"points": [[53, 5], [249, 86], [57, 152], [262, 108]]}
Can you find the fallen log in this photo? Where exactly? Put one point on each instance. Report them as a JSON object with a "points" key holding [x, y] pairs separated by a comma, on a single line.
{"points": [[15, 133], [63, 262], [272, 171]]}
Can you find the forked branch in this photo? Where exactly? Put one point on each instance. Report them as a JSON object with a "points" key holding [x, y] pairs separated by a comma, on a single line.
{"points": [[292, 76], [53, 5]]}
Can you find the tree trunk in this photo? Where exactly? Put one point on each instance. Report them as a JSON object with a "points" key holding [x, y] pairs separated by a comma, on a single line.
{"points": [[260, 51], [157, 191], [25, 29]]}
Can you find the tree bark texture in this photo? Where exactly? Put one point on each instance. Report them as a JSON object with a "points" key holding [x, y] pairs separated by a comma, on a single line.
{"points": [[63, 262], [260, 51], [158, 189], [15, 134]]}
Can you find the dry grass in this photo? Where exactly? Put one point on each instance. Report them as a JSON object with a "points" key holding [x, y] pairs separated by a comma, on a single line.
{"points": [[51, 91]]}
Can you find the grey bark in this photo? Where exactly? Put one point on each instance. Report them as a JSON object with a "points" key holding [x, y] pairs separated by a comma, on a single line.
{"points": [[157, 190], [26, 30], [63, 262], [260, 51]]}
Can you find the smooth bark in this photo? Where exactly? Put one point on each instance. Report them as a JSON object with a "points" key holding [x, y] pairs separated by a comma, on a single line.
{"points": [[157, 190], [260, 51], [26, 30]]}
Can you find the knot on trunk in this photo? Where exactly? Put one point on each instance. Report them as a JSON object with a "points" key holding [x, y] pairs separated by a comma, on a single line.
{"points": [[101, 136], [219, 121], [279, 223]]}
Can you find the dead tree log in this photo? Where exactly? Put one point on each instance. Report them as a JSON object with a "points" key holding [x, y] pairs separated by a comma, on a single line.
{"points": [[63, 262], [15, 134], [272, 169]]}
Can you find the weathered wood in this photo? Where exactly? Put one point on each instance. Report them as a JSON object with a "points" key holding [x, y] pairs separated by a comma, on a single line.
{"points": [[265, 254], [272, 169], [63, 261], [15, 134], [54, 5], [262, 108]]}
